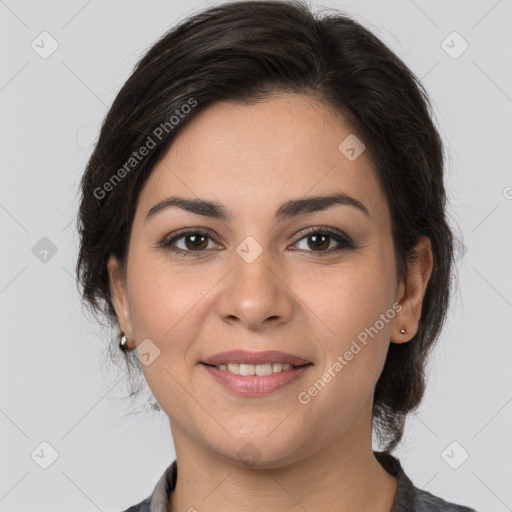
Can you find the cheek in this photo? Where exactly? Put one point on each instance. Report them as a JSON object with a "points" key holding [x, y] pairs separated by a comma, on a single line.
{"points": [[167, 304], [351, 314], [164, 309], [346, 300], [349, 331]]}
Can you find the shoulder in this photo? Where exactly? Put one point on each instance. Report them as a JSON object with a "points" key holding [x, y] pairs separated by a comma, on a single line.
{"points": [[143, 506], [408, 497], [427, 502], [158, 501]]}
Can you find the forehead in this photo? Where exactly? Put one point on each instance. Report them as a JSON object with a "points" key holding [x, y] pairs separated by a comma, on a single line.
{"points": [[253, 157]]}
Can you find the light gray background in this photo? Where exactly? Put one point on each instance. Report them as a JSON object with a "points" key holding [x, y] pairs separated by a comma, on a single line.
{"points": [[55, 385]]}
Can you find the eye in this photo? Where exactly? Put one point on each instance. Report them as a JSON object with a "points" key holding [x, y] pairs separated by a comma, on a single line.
{"points": [[194, 241], [320, 239]]}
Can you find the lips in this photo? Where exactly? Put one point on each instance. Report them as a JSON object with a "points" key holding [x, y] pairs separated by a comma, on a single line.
{"points": [[246, 357]]}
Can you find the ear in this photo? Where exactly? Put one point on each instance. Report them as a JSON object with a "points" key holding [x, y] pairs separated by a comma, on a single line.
{"points": [[410, 294], [119, 296]]}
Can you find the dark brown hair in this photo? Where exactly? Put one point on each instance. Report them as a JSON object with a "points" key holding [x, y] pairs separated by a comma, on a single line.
{"points": [[246, 51]]}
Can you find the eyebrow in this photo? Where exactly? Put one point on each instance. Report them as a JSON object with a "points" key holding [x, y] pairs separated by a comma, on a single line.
{"points": [[288, 209]]}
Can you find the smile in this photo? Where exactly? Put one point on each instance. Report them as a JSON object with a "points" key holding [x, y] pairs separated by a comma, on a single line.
{"points": [[255, 380], [255, 369]]}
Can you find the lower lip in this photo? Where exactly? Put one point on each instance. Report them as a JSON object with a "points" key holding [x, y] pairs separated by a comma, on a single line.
{"points": [[256, 385]]}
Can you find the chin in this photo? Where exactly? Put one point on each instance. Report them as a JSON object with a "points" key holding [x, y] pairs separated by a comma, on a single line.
{"points": [[259, 450]]}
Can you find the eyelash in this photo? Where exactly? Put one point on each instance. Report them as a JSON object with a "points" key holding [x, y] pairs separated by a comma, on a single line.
{"points": [[342, 239]]}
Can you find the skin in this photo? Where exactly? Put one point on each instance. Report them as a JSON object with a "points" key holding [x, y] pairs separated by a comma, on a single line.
{"points": [[251, 158]]}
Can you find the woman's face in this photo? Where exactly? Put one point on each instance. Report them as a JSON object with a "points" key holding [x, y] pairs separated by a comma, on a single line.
{"points": [[257, 283]]}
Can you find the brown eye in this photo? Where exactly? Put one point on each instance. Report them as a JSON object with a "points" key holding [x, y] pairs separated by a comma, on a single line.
{"points": [[320, 240], [197, 241], [193, 242]]}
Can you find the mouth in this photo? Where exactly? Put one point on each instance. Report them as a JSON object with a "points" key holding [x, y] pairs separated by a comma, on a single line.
{"points": [[256, 369], [244, 357], [255, 373]]}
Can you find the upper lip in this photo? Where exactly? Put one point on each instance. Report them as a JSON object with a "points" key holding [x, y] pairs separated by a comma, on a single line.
{"points": [[246, 357]]}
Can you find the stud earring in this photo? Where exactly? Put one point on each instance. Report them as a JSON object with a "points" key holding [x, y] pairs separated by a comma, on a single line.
{"points": [[123, 345], [403, 330]]}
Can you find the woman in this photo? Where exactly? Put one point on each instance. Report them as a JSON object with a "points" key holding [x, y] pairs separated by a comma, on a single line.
{"points": [[263, 217]]}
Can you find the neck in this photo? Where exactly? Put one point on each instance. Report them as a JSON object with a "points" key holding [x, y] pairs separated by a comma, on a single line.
{"points": [[345, 473]]}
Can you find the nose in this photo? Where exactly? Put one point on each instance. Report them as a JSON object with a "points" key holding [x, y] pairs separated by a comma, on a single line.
{"points": [[255, 294]]}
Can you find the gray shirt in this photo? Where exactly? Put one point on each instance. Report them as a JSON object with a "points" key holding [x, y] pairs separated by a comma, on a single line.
{"points": [[408, 498]]}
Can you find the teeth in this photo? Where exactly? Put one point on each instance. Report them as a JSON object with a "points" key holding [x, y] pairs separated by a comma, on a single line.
{"points": [[254, 369]]}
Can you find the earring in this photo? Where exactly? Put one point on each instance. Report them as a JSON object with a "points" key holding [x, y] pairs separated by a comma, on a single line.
{"points": [[403, 330], [123, 344]]}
